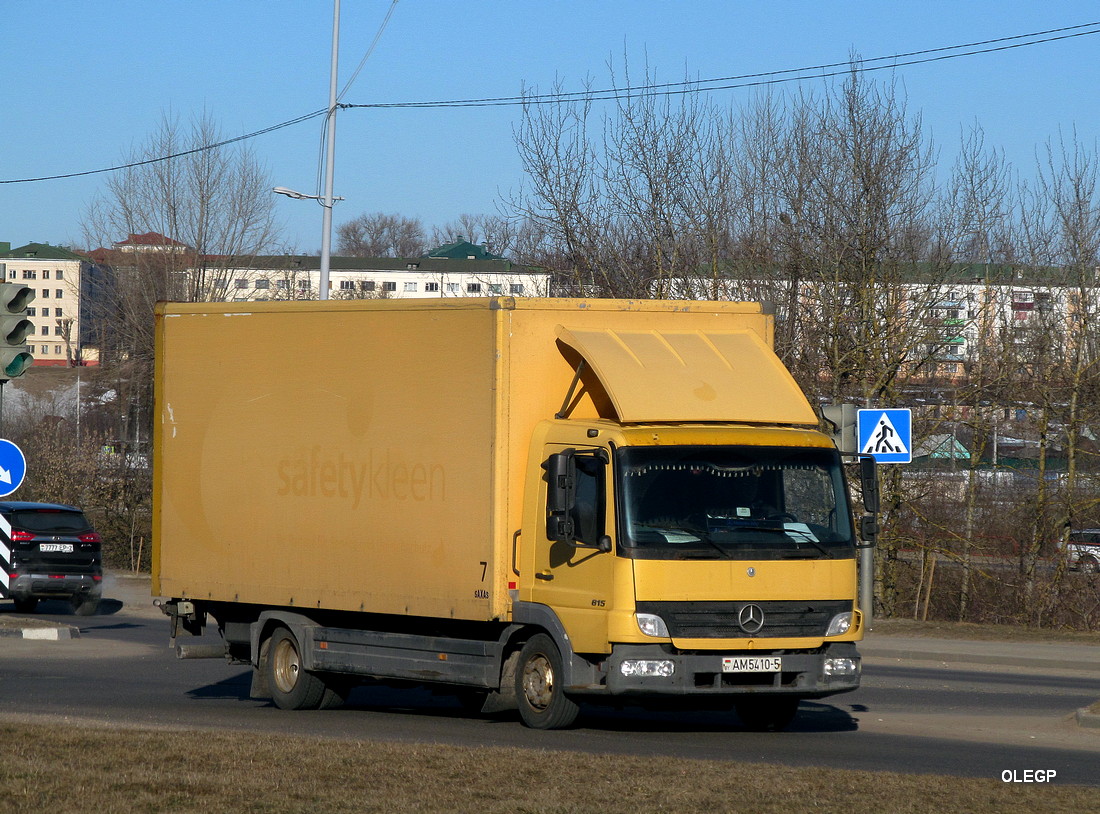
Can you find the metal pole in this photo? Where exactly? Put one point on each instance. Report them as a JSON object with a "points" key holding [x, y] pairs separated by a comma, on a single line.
{"points": [[330, 157]]}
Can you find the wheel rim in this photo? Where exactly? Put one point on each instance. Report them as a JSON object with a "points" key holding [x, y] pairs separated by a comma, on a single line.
{"points": [[538, 682], [286, 665]]}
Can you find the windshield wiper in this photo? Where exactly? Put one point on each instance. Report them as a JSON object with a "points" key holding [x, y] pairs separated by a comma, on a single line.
{"points": [[809, 538], [701, 534]]}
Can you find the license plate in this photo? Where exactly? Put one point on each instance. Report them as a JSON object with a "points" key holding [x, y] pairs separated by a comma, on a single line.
{"points": [[66, 548], [752, 664]]}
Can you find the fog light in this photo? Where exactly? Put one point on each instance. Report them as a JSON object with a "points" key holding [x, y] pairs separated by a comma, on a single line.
{"points": [[841, 667], [651, 625], [840, 624], [647, 667]]}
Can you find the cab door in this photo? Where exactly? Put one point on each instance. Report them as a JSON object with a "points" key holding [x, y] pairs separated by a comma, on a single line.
{"points": [[573, 562]]}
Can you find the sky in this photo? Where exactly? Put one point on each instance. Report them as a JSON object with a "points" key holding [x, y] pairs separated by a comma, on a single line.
{"points": [[82, 84]]}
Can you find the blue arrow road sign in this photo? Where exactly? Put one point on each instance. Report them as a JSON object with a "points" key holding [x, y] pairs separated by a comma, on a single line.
{"points": [[13, 467], [886, 434]]}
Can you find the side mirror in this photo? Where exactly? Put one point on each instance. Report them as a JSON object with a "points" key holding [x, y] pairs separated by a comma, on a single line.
{"points": [[561, 495]]}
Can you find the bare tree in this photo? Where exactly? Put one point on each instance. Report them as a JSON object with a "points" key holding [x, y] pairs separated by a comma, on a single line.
{"points": [[201, 214], [381, 235]]}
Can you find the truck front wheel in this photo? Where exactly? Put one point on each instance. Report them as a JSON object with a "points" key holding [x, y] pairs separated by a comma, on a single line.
{"points": [[291, 687], [540, 693]]}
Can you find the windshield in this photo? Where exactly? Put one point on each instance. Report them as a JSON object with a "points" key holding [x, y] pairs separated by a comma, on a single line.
{"points": [[732, 502]]}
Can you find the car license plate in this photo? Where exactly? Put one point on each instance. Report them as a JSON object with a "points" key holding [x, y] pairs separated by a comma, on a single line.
{"points": [[66, 548], [752, 664]]}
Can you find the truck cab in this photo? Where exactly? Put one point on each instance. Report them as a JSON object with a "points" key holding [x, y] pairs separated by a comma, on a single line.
{"points": [[696, 560]]}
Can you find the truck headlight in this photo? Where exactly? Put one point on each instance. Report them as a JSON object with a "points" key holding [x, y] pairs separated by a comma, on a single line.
{"points": [[840, 624], [836, 667], [662, 668], [652, 625]]}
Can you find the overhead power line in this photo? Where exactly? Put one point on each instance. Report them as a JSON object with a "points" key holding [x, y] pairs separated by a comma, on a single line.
{"points": [[766, 77], [674, 88], [192, 151]]}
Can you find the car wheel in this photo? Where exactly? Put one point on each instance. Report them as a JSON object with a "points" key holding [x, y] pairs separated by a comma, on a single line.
{"points": [[25, 605], [764, 714], [540, 693], [1088, 565], [291, 686]]}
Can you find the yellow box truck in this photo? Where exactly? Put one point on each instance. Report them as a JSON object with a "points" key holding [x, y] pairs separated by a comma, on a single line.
{"points": [[533, 502]]}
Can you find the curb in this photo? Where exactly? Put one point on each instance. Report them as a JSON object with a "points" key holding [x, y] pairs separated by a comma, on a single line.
{"points": [[50, 634], [911, 654], [1089, 720]]}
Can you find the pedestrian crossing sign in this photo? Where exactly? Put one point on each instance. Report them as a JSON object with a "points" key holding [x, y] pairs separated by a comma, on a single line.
{"points": [[886, 434]]}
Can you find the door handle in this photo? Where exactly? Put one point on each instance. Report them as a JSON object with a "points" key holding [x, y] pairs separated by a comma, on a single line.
{"points": [[544, 575]]}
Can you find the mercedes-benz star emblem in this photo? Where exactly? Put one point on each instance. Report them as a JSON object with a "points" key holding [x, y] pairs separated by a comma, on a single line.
{"points": [[751, 619]]}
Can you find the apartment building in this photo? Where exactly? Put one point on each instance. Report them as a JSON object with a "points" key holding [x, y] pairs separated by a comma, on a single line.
{"points": [[460, 269], [61, 281]]}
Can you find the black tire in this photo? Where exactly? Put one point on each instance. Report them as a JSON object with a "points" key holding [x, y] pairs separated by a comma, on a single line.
{"points": [[27, 605], [85, 605], [1088, 565], [540, 693], [291, 687], [767, 713]]}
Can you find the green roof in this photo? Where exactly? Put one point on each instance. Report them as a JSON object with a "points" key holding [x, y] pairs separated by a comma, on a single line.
{"points": [[41, 251], [463, 249]]}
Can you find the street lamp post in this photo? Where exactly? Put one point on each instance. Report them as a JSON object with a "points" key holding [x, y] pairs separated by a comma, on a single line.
{"points": [[327, 199]]}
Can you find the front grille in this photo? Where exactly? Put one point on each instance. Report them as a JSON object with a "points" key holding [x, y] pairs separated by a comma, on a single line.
{"points": [[719, 620]]}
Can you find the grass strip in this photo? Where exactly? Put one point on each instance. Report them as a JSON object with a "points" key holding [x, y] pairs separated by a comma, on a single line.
{"points": [[120, 771]]}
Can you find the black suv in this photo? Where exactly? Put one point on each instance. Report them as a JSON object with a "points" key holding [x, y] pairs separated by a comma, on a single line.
{"points": [[55, 554]]}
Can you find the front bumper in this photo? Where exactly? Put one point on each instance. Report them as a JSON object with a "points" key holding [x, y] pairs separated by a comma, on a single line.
{"points": [[701, 674], [55, 586]]}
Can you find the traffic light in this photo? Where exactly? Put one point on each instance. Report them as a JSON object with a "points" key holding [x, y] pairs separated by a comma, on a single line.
{"points": [[15, 357]]}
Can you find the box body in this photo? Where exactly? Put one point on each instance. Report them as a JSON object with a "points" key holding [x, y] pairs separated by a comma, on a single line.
{"points": [[369, 455]]}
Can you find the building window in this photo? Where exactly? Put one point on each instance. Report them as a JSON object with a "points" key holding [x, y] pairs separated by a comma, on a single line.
{"points": [[496, 288], [59, 293], [264, 284], [282, 285], [45, 274], [347, 285], [12, 274], [515, 288], [241, 282], [59, 275], [410, 288], [431, 288], [473, 288], [57, 349], [32, 311], [45, 312], [367, 285], [45, 293], [30, 275], [389, 286], [303, 285], [57, 312], [452, 288], [45, 349]]}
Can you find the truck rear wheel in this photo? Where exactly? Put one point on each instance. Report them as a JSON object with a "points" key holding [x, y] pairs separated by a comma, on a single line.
{"points": [[291, 686], [540, 693], [767, 714]]}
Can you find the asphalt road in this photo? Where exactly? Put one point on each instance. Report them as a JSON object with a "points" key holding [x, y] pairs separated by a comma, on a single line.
{"points": [[911, 716]]}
